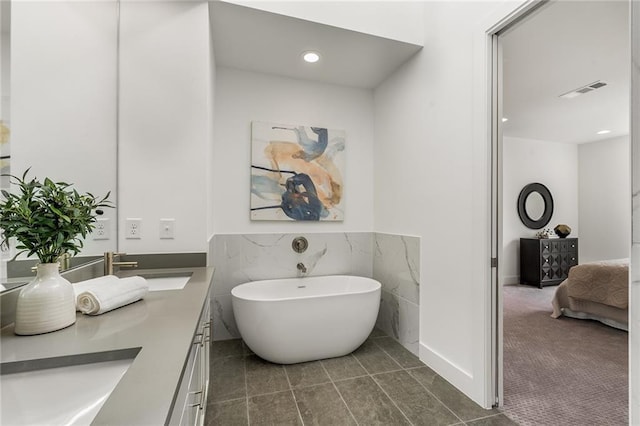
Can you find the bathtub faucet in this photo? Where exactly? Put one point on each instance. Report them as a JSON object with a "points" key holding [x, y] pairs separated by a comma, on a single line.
{"points": [[301, 268]]}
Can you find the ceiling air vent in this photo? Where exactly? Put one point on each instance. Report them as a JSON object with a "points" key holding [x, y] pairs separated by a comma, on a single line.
{"points": [[584, 89]]}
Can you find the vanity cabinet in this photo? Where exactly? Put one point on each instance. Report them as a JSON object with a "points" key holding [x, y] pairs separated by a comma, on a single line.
{"points": [[191, 399], [546, 261]]}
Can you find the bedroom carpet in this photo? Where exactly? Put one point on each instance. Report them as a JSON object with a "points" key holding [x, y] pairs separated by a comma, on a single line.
{"points": [[561, 371]]}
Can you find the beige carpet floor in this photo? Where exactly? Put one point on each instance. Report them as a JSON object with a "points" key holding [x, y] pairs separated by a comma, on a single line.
{"points": [[561, 371]]}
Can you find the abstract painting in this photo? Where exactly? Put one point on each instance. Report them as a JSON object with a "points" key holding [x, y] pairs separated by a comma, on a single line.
{"points": [[296, 172]]}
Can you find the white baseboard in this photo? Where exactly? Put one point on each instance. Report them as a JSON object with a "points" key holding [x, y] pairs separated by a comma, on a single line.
{"points": [[458, 377], [511, 279]]}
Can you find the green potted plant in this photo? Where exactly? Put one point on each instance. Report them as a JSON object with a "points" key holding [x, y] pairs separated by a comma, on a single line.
{"points": [[48, 219]]}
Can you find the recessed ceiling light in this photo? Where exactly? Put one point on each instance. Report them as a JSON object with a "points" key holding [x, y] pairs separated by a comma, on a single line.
{"points": [[603, 132], [311, 57], [504, 119]]}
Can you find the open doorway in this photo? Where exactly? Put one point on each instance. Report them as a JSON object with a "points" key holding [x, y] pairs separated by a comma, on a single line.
{"points": [[565, 79]]}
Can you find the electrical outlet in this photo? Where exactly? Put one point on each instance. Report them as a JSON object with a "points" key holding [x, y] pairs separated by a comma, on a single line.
{"points": [[133, 228], [167, 227], [102, 230]]}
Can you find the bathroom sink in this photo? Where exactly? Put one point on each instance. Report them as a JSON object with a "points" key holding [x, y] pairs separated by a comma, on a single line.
{"points": [[62, 391], [166, 281]]}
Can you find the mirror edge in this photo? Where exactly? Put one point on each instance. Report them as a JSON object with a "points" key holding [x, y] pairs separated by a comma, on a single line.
{"points": [[548, 205]]}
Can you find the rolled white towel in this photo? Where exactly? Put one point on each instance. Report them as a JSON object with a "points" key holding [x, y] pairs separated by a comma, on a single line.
{"points": [[105, 294], [82, 286]]}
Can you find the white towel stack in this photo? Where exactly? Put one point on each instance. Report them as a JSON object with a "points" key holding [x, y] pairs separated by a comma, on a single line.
{"points": [[100, 295]]}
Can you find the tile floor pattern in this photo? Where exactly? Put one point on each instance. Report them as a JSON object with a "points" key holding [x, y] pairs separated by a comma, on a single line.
{"points": [[381, 383]]}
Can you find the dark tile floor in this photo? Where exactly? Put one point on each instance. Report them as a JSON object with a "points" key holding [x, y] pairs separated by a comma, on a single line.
{"points": [[381, 383]]}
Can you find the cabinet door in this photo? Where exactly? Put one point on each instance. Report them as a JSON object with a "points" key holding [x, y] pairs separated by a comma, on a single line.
{"points": [[205, 321], [194, 404], [191, 401], [181, 409]]}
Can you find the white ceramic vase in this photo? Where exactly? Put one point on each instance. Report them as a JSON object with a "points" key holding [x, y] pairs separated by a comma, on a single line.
{"points": [[45, 304]]}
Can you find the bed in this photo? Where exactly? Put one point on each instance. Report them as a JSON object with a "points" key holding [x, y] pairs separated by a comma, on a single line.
{"points": [[597, 291]]}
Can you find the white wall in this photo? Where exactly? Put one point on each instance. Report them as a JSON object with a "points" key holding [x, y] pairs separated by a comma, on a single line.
{"points": [[5, 93], [552, 164], [210, 145], [397, 20], [604, 199], [5, 23], [432, 181], [242, 97], [165, 114], [63, 104]]}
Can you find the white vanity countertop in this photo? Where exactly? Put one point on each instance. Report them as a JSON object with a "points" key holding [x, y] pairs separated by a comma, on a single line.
{"points": [[162, 325]]}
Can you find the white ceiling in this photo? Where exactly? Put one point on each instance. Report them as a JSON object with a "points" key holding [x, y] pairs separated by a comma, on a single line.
{"points": [[260, 41], [564, 46]]}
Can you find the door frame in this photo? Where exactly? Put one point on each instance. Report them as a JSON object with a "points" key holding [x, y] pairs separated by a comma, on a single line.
{"points": [[494, 84], [494, 117], [634, 266]]}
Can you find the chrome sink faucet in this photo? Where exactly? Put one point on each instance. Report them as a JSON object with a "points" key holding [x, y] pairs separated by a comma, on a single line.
{"points": [[109, 256]]}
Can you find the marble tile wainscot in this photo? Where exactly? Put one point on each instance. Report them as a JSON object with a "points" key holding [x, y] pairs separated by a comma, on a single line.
{"points": [[396, 265], [391, 259]]}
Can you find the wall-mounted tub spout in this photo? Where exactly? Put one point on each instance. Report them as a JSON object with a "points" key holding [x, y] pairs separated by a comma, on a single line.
{"points": [[301, 268]]}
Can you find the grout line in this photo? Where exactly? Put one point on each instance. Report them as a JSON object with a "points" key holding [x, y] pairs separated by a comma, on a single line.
{"points": [[396, 360], [424, 387], [377, 337], [436, 398], [488, 417], [350, 378], [385, 372], [388, 354], [415, 368], [227, 400], [339, 394], [334, 381], [390, 357], [361, 365], [269, 393], [391, 399], [311, 385], [295, 401], [383, 391]]}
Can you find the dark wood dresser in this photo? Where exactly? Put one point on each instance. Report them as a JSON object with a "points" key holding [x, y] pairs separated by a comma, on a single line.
{"points": [[546, 261]]}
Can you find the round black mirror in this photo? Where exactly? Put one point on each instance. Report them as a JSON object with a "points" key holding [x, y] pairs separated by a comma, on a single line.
{"points": [[535, 205]]}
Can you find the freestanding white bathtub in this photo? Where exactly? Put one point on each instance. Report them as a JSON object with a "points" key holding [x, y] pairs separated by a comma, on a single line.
{"points": [[303, 319]]}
